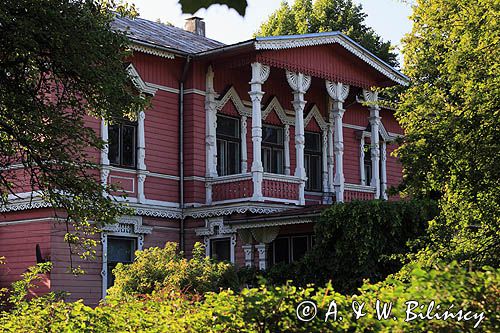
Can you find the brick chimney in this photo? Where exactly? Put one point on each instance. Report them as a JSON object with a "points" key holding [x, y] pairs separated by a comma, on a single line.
{"points": [[196, 25]]}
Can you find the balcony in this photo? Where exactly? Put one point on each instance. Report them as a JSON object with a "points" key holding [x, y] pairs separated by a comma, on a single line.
{"points": [[238, 188], [358, 192]]}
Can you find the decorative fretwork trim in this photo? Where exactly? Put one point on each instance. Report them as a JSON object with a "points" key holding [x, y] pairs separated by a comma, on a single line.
{"points": [[316, 114], [152, 51]]}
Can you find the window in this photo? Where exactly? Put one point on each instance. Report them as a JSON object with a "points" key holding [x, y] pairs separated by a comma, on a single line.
{"points": [[291, 248], [220, 249], [368, 164], [122, 139], [228, 146], [313, 161], [272, 149], [119, 250]]}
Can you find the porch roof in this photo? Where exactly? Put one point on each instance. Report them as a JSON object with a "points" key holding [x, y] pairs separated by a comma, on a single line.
{"points": [[305, 214]]}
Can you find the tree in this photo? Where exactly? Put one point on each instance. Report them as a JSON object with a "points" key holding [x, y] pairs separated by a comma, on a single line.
{"points": [[304, 16], [451, 117], [191, 6], [61, 63]]}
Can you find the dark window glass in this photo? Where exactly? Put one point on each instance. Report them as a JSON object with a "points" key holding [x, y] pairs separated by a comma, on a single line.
{"points": [[228, 146], [368, 164], [119, 250], [313, 161], [299, 247], [220, 249], [122, 140], [281, 250], [272, 149]]}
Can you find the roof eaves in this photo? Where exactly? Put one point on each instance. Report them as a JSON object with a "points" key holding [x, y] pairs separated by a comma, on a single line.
{"points": [[150, 48]]}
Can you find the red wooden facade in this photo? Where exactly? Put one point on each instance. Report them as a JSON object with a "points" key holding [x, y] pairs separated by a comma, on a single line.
{"points": [[211, 201]]}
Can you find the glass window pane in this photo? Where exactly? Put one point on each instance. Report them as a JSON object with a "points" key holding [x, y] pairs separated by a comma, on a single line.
{"points": [[128, 149], [114, 144], [266, 159], [121, 249], [315, 172], [233, 160], [281, 251], [221, 249], [278, 161], [272, 135], [228, 127], [313, 142], [221, 158], [299, 247]]}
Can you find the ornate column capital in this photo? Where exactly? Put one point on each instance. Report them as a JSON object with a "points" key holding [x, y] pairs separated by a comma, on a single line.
{"points": [[298, 82], [337, 91], [260, 73]]}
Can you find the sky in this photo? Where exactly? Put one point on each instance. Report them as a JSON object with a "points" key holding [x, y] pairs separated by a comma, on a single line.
{"points": [[389, 18]]}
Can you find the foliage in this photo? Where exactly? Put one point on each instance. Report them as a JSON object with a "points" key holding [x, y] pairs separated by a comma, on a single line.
{"points": [[191, 6], [304, 16], [165, 269], [273, 309], [451, 117], [359, 240], [60, 65]]}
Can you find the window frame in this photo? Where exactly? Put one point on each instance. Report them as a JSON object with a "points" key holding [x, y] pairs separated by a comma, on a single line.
{"points": [[135, 247], [273, 148], [290, 238], [222, 168], [121, 124], [308, 153]]}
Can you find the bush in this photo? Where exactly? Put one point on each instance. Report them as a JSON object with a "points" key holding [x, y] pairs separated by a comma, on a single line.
{"points": [[273, 309], [156, 269], [360, 240]]}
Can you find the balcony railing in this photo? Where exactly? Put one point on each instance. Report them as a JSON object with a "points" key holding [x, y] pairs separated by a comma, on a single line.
{"points": [[239, 187], [358, 192]]}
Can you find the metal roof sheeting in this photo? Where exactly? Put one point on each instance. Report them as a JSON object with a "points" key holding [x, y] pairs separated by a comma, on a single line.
{"points": [[161, 35]]}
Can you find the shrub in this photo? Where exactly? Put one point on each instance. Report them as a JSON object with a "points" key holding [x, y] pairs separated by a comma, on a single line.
{"points": [[359, 240], [273, 309], [156, 269]]}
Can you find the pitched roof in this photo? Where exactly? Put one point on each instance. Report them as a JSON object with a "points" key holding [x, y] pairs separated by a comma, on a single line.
{"points": [[157, 34]]}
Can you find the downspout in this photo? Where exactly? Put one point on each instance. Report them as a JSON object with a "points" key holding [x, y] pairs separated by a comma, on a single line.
{"points": [[181, 150]]}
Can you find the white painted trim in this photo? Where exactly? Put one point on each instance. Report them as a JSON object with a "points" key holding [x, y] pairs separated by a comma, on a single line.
{"points": [[151, 50], [194, 91], [138, 82], [316, 114], [163, 88], [251, 225], [120, 229], [282, 178], [195, 178], [360, 188], [162, 176], [274, 105]]}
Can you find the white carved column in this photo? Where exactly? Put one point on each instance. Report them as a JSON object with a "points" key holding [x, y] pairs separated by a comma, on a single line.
{"points": [[104, 154], [338, 92], [330, 156], [262, 249], [324, 160], [260, 73], [141, 141], [362, 160], [141, 157], [141, 179], [299, 83], [287, 149], [372, 97], [244, 158], [248, 251], [383, 172], [211, 125]]}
